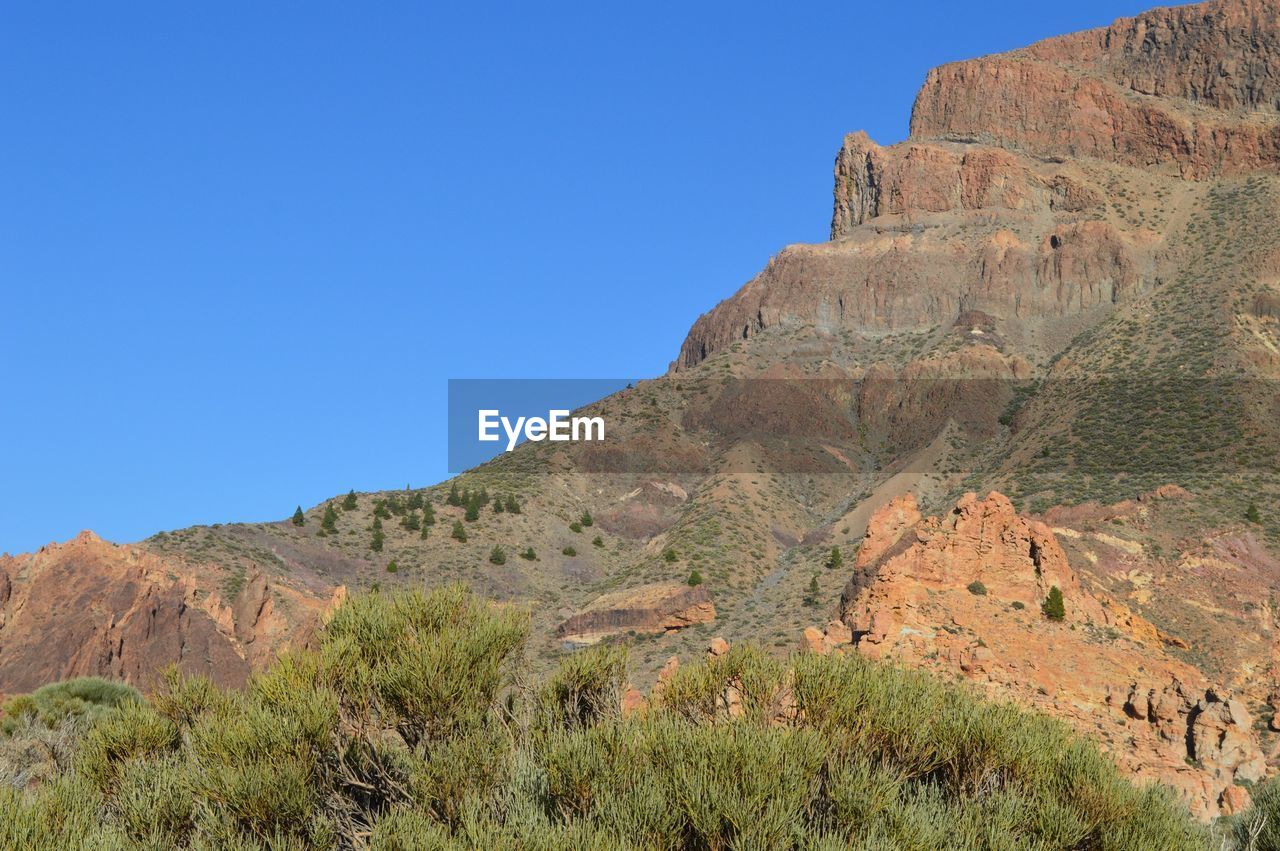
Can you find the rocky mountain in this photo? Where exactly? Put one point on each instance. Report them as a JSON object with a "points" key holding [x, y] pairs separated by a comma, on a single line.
{"points": [[1038, 352]]}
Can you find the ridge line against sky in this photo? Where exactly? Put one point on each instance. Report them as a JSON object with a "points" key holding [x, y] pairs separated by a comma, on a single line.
{"points": [[246, 247]]}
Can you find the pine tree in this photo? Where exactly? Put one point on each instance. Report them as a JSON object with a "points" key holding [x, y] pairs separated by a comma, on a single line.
{"points": [[497, 555], [453, 498], [428, 515], [415, 501], [1252, 514], [498, 508], [378, 537], [329, 523], [473, 511], [298, 519], [598, 541], [811, 599], [586, 519], [483, 497], [410, 522], [349, 503], [513, 506], [529, 555], [380, 508], [426, 530], [1053, 607], [695, 578], [459, 533], [835, 561], [376, 525]]}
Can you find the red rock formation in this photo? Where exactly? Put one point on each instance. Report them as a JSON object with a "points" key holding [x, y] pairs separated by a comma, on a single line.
{"points": [[961, 594], [88, 607], [650, 608]]}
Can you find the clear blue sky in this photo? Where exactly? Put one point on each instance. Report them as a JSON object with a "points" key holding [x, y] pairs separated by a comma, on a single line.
{"points": [[244, 245]]}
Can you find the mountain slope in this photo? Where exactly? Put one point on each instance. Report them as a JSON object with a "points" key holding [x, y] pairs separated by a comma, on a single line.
{"points": [[1062, 286]]}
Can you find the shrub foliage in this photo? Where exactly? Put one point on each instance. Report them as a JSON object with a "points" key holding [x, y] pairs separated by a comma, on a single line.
{"points": [[406, 729]]}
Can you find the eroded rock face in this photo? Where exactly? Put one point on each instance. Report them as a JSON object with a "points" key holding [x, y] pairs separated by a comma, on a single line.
{"points": [[1192, 87], [660, 607], [962, 594], [91, 608], [998, 200]]}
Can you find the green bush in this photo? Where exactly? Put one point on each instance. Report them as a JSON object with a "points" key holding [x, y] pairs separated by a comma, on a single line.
{"points": [[1053, 606], [977, 589], [459, 532], [83, 699], [569, 551], [497, 555], [695, 578], [298, 518], [405, 728]]}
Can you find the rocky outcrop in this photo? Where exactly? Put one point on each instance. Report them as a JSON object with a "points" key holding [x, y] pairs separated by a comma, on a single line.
{"points": [[1192, 87], [88, 607], [935, 177], [962, 594], [998, 200], [661, 607]]}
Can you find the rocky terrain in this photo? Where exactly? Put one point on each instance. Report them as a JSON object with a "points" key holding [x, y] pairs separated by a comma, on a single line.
{"points": [[1039, 351]]}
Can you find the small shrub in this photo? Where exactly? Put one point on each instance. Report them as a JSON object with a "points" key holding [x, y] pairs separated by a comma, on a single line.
{"points": [[695, 578], [1053, 606], [835, 561], [529, 554], [597, 541], [977, 589], [459, 532], [569, 551], [1252, 514], [669, 556], [586, 519], [575, 527], [497, 555], [392, 567]]}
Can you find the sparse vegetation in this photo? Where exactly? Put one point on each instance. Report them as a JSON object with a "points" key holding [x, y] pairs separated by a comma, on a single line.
{"points": [[569, 551], [497, 555], [459, 532], [977, 589], [695, 578]]}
